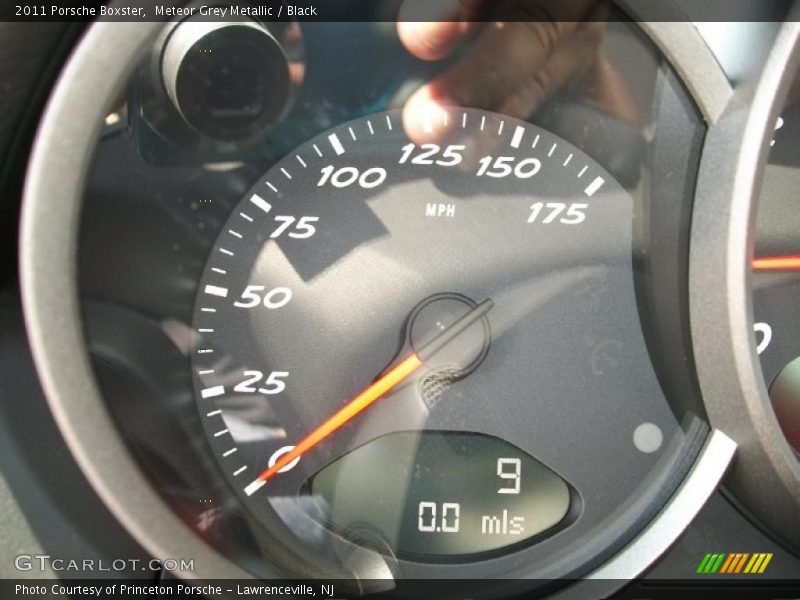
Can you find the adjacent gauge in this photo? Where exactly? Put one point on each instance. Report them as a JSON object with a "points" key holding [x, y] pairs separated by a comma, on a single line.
{"points": [[776, 283], [431, 351]]}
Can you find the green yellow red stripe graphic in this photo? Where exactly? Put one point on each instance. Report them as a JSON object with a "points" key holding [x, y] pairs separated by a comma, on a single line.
{"points": [[731, 563]]}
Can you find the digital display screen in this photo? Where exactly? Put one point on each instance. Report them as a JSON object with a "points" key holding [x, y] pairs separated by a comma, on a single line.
{"points": [[440, 494]]}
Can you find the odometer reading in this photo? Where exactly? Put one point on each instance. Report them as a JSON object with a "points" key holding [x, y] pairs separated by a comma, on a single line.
{"points": [[455, 493]]}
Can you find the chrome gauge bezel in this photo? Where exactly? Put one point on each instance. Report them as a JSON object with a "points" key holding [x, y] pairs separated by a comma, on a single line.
{"points": [[53, 198], [721, 311]]}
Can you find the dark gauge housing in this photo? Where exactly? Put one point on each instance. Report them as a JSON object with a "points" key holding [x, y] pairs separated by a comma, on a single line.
{"points": [[571, 218]]}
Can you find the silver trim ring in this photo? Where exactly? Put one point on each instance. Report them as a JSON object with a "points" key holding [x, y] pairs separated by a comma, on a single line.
{"points": [[53, 197], [683, 507], [766, 477]]}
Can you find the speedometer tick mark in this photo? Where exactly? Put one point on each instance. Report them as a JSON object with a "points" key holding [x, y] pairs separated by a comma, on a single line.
{"points": [[214, 413], [483, 121], [229, 452], [205, 351], [205, 330], [336, 144], [569, 158], [371, 130], [301, 161], [463, 120], [221, 432], [228, 252], [208, 309], [516, 139], [535, 141], [260, 203], [583, 170], [206, 372], [285, 172], [352, 133], [216, 290], [218, 270], [388, 122], [500, 129], [253, 487], [318, 151], [211, 392], [594, 186], [272, 187], [240, 470], [553, 149], [235, 234], [246, 217]]}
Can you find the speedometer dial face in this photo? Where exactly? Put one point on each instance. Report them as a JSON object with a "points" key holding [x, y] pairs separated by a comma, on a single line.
{"points": [[433, 350]]}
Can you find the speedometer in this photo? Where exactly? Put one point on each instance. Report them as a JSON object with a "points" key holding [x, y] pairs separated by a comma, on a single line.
{"points": [[370, 338], [431, 350]]}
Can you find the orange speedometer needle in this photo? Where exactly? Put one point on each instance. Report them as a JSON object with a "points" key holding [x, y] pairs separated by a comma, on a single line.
{"points": [[382, 386], [777, 263]]}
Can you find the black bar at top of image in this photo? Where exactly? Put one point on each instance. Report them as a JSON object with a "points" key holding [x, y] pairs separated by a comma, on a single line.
{"points": [[391, 10]]}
